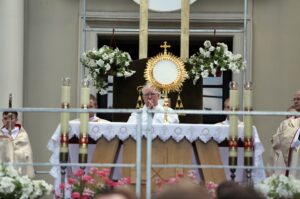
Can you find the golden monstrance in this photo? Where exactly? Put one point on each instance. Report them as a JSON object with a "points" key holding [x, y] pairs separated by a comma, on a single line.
{"points": [[166, 72]]}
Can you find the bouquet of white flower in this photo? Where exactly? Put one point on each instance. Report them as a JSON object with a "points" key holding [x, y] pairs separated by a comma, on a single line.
{"points": [[106, 61], [210, 59], [14, 186], [280, 187]]}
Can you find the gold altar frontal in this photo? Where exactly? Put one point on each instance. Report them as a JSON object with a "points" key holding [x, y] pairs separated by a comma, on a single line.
{"points": [[169, 152]]}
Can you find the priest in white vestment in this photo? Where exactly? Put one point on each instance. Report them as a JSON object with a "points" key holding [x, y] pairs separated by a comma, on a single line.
{"points": [[151, 97], [284, 148], [22, 152]]}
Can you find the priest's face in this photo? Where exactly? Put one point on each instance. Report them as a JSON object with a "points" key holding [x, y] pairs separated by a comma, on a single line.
{"points": [[92, 104], [150, 97], [297, 100], [5, 121]]}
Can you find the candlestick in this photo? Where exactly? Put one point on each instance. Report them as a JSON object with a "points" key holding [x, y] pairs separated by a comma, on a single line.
{"points": [[233, 126], [64, 126], [84, 118], [248, 140]]}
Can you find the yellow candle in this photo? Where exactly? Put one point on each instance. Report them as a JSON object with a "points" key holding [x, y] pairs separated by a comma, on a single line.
{"points": [[84, 119], [64, 122], [232, 153], [248, 99], [233, 125], [83, 150], [248, 126], [65, 94], [234, 99], [248, 153], [85, 96], [64, 149]]}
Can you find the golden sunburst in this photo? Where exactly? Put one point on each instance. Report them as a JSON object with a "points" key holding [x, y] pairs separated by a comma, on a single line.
{"points": [[156, 64]]}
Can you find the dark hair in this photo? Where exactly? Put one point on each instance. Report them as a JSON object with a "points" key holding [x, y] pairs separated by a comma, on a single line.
{"points": [[118, 191], [231, 190], [183, 191], [13, 112]]}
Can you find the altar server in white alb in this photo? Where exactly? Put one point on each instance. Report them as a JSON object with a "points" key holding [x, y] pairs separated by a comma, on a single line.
{"points": [[21, 147], [151, 96]]}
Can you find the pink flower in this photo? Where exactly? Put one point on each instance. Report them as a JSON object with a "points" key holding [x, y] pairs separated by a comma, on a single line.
{"points": [[86, 178], [93, 170], [124, 181], [103, 173], [172, 181], [75, 195], [88, 192], [62, 186], [180, 175], [72, 181], [79, 172]]}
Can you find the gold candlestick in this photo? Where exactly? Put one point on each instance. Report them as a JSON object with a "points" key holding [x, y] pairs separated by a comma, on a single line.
{"points": [[84, 119], [64, 120], [64, 127], [248, 140], [233, 126]]}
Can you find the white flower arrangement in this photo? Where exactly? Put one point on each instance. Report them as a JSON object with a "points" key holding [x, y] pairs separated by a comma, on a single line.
{"points": [[106, 61], [280, 187], [210, 59], [13, 186]]}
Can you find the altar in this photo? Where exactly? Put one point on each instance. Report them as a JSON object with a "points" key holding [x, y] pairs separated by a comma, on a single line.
{"points": [[190, 133]]}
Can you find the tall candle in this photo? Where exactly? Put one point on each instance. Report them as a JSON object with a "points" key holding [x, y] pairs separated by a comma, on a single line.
{"points": [[248, 107], [84, 119], [248, 98], [65, 94], [233, 125], [64, 120], [85, 96], [248, 126]]}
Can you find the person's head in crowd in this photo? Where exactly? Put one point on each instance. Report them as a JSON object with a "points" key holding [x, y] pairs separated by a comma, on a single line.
{"points": [[231, 190], [92, 104], [5, 119], [183, 191], [296, 100], [116, 193], [291, 109], [150, 96]]}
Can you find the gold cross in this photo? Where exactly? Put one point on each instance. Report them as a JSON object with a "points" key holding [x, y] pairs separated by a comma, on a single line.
{"points": [[165, 46]]}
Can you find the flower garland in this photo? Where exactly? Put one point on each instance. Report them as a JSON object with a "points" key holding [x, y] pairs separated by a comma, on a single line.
{"points": [[106, 61], [210, 59]]}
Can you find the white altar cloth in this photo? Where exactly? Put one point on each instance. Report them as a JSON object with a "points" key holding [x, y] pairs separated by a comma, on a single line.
{"points": [[177, 132]]}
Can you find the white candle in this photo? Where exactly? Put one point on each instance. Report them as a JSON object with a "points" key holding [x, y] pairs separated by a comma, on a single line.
{"points": [[84, 119], [248, 126], [232, 153], [248, 153], [233, 125], [65, 94], [234, 99], [248, 99], [64, 122], [85, 96]]}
